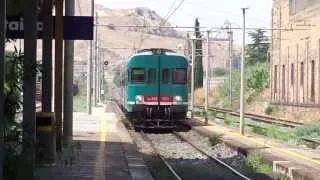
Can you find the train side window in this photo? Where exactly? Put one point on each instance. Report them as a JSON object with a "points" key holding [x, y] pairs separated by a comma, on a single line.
{"points": [[137, 75], [152, 76], [180, 76], [165, 76]]}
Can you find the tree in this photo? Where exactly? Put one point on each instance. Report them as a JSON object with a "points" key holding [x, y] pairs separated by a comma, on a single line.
{"points": [[258, 50], [198, 83]]}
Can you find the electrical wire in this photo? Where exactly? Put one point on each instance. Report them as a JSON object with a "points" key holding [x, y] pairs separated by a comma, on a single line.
{"points": [[170, 9], [179, 5], [212, 28]]}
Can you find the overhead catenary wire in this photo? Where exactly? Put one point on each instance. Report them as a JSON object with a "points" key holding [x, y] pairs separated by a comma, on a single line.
{"points": [[170, 9], [179, 5], [212, 28]]}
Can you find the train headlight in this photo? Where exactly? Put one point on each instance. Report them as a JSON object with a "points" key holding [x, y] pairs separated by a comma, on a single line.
{"points": [[178, 99], [139, 99]]}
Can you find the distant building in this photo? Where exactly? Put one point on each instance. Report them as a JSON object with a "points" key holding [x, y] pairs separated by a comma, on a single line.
{"points": [[295, 53]]}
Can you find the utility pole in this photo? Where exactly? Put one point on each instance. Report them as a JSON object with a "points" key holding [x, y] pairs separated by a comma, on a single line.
{"points": [[68, 80], [102, 74], [58, 71], [95, 65], [29, 90], [99, 70], [230, 64], [3, 28], [47, 56], [242, 74], [89, 72], [192, 75], [207, 78]]}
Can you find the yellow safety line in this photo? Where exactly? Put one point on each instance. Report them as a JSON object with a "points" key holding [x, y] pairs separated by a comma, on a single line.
{"points": [[103, 127], [103, 134], [297, 155]]}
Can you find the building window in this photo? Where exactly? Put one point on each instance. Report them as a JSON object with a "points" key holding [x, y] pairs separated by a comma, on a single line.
{"points": [[283, 81], [292, 74], [301, 74], [312, 81]]}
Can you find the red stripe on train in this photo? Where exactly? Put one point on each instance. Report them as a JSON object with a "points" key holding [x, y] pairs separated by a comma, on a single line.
{"points": [[156, 99]]}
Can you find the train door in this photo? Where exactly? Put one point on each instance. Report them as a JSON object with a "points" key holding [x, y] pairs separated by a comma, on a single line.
{"points": [[151, 91]]}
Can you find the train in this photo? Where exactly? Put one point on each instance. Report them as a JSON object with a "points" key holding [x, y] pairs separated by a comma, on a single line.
{"points": [[156, 88]]}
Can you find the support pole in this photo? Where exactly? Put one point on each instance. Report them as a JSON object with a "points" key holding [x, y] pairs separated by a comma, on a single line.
{"points": [[2, 80], [95, 98], [47, 57], [89, 71], [207, 78], [68, 80], [99, 72], [192, 75], [242, 74], [29, 90], [230, 65], [58, 71]]}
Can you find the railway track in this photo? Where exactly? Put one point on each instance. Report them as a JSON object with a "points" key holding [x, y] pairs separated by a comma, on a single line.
{"points": [[257, 117], [165, 162], [190, 157], [233, 170]]}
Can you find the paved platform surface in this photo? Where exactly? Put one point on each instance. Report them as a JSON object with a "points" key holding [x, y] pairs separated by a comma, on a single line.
{"points": [[296, 162], [102, 150]]}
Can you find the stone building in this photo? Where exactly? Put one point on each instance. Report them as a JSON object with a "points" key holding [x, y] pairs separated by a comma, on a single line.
{"points": [[295, 53]]}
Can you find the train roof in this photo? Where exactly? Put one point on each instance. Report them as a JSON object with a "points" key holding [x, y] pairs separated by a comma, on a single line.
{"points": [[157, 51]]}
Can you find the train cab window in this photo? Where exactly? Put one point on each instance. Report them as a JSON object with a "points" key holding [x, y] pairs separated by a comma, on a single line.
{"points": [[180, 76], [137, 75], [165, 76], [152, 76]]}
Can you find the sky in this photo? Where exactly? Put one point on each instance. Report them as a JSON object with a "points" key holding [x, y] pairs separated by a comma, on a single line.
{"points": [[211, 13]]}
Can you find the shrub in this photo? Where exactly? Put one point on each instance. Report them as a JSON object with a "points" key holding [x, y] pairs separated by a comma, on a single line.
{"points": [[269, 110], [218, 72], [215, 139], [255, 164]]}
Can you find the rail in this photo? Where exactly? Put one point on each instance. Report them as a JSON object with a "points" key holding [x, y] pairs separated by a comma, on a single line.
{"points": [[314, 142], [233, 170], [256, 117], [165, 162]]}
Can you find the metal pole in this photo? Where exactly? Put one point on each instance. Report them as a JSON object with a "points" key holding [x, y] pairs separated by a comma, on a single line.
{"points": [[68, 80], [230, 65], [29, 89], [47, 57], [242, 74], [192, 76], [58, 71], [89, 72], [207, 78], [99, 73], [102, 74], [96, 64], [2, 80]]}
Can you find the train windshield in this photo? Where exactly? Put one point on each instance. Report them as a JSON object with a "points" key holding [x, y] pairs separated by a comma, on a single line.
{"points": [[180, 76], [137, 75], [165, 76], [152, 76]]}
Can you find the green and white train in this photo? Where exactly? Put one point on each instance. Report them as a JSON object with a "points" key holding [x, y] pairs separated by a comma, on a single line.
{"points": [[156, 87]]}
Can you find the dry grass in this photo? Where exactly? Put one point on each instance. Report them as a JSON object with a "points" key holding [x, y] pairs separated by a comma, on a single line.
{"points": [[199, 97]]}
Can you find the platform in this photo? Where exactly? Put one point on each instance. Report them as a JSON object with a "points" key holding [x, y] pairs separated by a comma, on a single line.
{"points": [[295, 161], [102, 149]]}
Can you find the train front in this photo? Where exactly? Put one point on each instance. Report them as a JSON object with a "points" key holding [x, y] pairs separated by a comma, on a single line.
{"points": [[157, 90]]}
